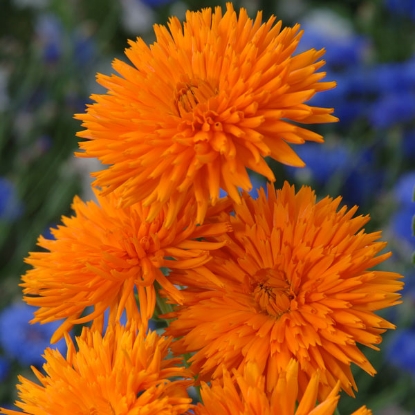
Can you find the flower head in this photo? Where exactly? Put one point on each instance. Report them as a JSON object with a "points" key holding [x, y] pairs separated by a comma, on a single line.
{"points": [[104, 253], [124, 372], [246, 393], [209, 99], [297, 283]]}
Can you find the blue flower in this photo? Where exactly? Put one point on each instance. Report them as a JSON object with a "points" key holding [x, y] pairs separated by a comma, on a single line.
{"points": [[10, 206], [23, 341], [392, 87], [156, 3], [4, 368], [393, 108], [400, 350], [409, 287], [402, 224], [393, 77], [408, 144], [355, 174], [404, 189], [363, 179], [326, 29], [84, 45], [49, 32], [382, 93], [322, 162], [351, 96], [401, 7]]}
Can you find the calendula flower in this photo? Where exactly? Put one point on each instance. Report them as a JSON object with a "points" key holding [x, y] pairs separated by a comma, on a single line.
{"points": [[124, 372], [246, 394], [362, 411], [297, 283], [209, 99], [103, 255]]}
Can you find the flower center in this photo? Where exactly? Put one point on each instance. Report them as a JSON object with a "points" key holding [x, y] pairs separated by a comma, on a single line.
{"points": [[272, 292], [186, 97], [191, 92]]}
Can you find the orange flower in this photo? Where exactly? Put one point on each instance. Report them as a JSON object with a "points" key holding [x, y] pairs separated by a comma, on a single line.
{"points": [[362, 411], [103, 253], [124, 373], [206, 101], [297, 284], [246, 394]]}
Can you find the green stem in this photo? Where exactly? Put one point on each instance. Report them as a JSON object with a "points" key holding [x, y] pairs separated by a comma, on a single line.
{"points": [[162, 307]]}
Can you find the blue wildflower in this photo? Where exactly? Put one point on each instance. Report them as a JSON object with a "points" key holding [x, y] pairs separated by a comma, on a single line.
{"points": [[401, 7], [409, 287], [351, 96], [404, 189], [402, 224], [400, 350], [84, 46], [49, 32], [322, 162], [393, 77], [393, 108], [4, 368], [156, 3], [10, 206], [355, 172], [408, 143], [23, 341], [327, 29], [363, 179]]}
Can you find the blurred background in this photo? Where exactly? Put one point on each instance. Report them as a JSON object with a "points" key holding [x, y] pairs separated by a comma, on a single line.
{"points": [[50, 52]]}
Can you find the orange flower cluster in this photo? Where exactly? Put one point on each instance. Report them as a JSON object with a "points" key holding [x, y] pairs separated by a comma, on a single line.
{"points": [[268, 299], [119, 373]]}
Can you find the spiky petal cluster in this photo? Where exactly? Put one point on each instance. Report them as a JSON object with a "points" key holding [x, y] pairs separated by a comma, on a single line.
{"points": [[297, 283], [209, 99], [124, 372], [246, 394], [102, 254]]}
